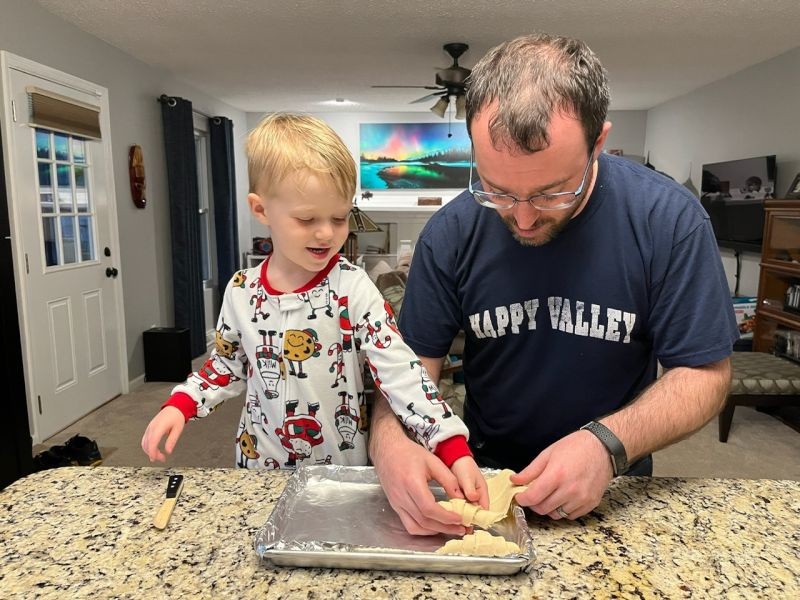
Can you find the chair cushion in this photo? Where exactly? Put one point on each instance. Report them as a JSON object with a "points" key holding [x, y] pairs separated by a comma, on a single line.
{"points": [[761, 373]]}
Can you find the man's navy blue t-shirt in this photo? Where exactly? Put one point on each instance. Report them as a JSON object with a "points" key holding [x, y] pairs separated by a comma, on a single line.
{"points": [[567, 332]]}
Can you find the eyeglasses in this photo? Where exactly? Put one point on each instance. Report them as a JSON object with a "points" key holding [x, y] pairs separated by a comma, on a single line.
{"points": [[555, 201]]}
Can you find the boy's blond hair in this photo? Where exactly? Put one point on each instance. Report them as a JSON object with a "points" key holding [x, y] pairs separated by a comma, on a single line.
{"points": [[283, 144]]}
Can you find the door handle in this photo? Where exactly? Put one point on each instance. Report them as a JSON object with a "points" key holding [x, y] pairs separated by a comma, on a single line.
{"points": [[111, 272]]}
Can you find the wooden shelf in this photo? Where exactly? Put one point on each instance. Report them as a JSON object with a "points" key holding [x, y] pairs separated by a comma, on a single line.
{"points": [[775, 277], [781, 316], [782, 267]]}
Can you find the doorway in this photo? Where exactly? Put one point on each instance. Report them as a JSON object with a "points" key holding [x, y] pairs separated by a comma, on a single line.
{"points": [[64, 242]]}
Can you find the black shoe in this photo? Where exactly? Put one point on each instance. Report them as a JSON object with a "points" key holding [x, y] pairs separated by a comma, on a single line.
{"points": [[83, 451], [52, 458]]}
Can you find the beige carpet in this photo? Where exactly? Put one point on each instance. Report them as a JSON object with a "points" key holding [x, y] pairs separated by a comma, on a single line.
{"points": [[759, 446]]}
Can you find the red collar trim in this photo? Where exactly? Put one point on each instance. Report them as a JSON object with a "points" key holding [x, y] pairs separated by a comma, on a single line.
{"points": [[308, 286]]}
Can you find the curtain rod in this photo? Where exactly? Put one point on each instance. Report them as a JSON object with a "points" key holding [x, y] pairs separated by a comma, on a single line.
{"points": [[169, 101]]}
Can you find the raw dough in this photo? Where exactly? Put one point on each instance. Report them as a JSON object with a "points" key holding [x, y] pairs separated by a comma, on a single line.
{"points": [[480, 543], [501, 492]]}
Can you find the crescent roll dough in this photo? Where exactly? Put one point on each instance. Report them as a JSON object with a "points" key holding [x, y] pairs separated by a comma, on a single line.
{"points": [[501, 492], [480, 543]]}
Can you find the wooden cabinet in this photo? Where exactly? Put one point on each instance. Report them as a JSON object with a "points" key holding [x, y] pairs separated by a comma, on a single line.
{"points": [[778, 312]]}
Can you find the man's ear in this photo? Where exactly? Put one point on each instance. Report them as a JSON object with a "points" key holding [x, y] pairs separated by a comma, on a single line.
{"points": [[256, 203], [601, 139]]}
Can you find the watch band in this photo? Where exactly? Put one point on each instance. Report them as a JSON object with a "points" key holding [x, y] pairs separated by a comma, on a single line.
{"points": [[619, 458]]}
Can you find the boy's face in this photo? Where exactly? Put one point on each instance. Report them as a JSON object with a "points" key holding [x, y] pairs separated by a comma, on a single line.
{"points": [[308, 220]]}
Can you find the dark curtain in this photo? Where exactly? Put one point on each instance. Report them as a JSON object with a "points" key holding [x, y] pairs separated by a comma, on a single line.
{"points": [[224, 183], [187, 273]]}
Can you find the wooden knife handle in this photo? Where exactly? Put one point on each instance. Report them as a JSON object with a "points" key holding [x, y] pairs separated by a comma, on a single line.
{"points": [[164, 513], [174, 489]]}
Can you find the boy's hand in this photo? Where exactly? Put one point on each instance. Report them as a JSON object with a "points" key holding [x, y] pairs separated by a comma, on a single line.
{"points": [[169, 421], [471, 481]]}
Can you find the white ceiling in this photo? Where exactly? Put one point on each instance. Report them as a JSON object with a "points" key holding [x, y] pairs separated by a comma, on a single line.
{"points": [[268, 55]]}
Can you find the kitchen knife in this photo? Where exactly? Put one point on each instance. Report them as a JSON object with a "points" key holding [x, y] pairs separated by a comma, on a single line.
{"points": [[174, 487]]}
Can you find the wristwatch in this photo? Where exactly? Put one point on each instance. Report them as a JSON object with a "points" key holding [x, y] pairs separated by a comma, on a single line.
{"points": [[619, 458]]}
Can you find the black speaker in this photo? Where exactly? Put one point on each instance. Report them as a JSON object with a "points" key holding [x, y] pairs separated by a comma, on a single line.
{"points": [[167, 354]]}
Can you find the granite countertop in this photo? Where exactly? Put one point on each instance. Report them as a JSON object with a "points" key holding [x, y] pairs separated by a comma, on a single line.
{"points": [[86, 532]]}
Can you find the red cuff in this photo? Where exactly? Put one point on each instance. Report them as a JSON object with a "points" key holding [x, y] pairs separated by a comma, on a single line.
{"points": [[451, 449], [184, 403]]}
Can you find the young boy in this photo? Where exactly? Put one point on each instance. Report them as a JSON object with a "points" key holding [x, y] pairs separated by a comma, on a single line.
{"points": [[290, 330]]}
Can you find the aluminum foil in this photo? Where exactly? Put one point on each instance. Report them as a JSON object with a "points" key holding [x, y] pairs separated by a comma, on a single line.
{"points": [[338, 516]]}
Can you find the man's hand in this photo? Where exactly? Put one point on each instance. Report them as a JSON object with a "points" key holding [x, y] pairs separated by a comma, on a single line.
{"points": [[573, 473], [168, 422], [471, 481], [404, 473]]}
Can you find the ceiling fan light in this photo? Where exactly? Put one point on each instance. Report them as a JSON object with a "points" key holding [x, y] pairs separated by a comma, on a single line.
{"points": [[441, 106], [461, 107]]}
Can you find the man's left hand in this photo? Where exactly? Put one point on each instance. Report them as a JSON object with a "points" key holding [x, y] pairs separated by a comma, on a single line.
{"points": [[573, 473]]}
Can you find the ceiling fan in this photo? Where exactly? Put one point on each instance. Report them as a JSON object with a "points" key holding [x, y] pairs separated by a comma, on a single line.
{"points": [[450, 82]]}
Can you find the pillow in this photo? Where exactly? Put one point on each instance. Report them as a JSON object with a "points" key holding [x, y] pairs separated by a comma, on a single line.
{"points": [[392, 286]]}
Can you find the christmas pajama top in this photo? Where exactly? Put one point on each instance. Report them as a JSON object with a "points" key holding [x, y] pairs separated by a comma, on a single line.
{"points": [[297, 356]]}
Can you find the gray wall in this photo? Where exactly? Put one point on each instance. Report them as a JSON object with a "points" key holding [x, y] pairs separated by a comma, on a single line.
{"points": [[751, 113], [145, 261]]}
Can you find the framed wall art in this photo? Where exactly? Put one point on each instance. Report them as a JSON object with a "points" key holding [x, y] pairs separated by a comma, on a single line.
{"points": [[414, 156]]}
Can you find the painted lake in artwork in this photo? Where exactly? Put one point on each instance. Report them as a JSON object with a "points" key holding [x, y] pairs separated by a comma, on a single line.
{"points": [[414, 175]]}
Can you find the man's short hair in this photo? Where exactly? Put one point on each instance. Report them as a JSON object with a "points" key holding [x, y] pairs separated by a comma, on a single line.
{"points": [[285, 143], [532, 77]]}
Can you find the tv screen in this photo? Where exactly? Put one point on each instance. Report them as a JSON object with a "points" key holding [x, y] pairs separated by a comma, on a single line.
{"points": [[733, 194]]}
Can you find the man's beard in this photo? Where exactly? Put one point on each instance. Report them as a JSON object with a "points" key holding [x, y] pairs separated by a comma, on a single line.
{"points": [[549, 229]]}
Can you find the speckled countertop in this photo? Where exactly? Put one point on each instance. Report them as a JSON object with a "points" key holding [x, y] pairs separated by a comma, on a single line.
{"points": [[83, 532]]}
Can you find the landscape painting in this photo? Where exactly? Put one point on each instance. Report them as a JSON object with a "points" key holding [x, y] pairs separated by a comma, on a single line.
{"points": [[414, 156]]}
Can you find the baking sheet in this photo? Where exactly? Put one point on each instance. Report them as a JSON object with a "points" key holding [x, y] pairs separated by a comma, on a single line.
{"points": [[337, 516]]}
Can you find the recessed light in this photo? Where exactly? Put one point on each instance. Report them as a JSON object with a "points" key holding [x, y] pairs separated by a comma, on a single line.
{"points": [[339, 102]]}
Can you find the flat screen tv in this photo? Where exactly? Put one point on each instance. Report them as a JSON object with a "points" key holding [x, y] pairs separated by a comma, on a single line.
{"points": [[733, 194]]}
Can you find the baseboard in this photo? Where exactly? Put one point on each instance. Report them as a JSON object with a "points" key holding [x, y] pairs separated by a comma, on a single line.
{"points": [[134, 383], [211, 338]]}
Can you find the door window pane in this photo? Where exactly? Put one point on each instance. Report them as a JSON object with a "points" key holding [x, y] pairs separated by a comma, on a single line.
{"points": [[42, 143], [87, 242], [50, 241], [61, 143], [81, 193], [45, 177], [64, 188], [46, 187], [78, 151], [68, 241]]}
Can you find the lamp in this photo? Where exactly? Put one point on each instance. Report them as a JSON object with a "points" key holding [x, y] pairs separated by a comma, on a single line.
{"points": [[441, 106], [461, 107], [359, 222]]}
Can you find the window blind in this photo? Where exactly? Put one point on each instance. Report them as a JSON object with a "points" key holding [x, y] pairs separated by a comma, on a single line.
{"points": [[53, 111]]}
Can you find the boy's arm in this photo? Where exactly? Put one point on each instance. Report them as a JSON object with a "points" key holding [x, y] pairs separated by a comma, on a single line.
{"points": [[402, 378], [224, 374]]}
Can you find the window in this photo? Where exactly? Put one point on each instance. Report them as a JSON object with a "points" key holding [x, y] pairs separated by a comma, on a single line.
{"points": [[65, 201], [204, 188]]}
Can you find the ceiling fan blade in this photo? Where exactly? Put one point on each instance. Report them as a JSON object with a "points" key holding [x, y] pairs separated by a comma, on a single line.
{"points": [[420, 87], [427, 98]]}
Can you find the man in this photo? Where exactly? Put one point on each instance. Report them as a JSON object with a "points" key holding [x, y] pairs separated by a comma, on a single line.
{"points": [[571, 272]]}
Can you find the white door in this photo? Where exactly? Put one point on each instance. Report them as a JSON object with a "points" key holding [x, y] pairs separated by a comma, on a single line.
{"points": [[67, 258]]}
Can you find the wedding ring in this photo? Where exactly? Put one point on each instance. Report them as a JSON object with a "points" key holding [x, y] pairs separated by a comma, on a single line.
{"points": [[564, 514]]}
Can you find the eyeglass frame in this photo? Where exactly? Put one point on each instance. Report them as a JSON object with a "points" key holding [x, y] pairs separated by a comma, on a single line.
{"points": [[529, 200]]}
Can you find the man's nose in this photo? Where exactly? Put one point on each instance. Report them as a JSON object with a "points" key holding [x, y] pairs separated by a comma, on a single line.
{"points": [[525, 215]]}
